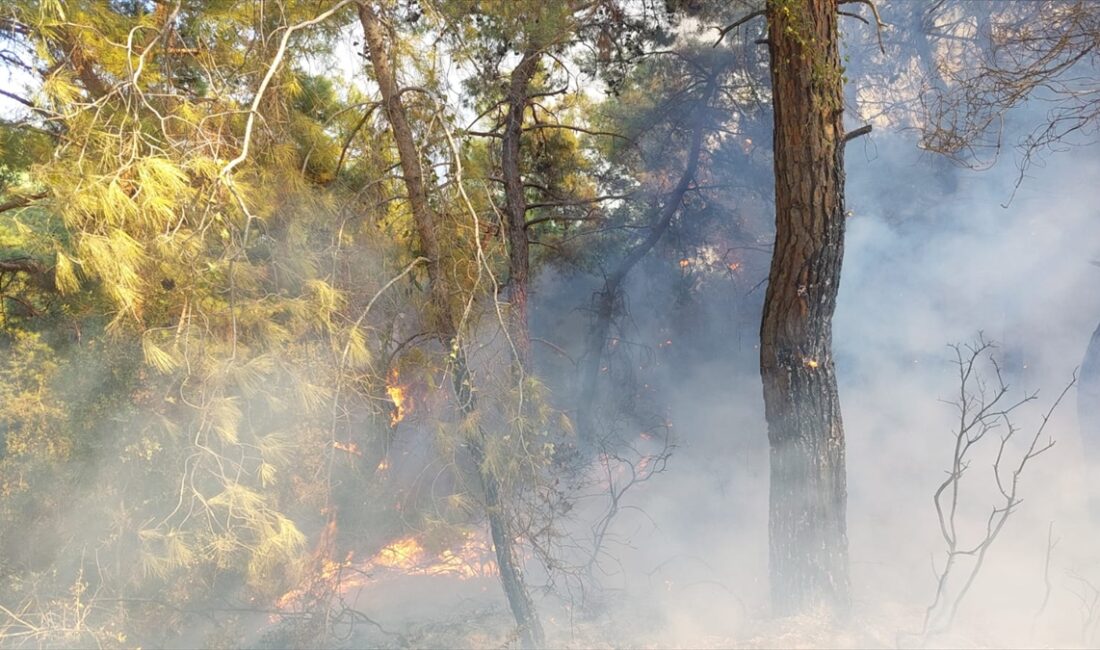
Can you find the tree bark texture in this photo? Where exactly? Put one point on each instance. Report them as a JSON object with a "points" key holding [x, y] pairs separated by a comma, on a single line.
{"points": [[515, 203], [425, 218], [808, 541]]}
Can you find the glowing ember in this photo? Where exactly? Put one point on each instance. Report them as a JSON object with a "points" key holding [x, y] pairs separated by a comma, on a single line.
{"points": [[734, 267], [399, 397], [684, 263], [349, 447]]}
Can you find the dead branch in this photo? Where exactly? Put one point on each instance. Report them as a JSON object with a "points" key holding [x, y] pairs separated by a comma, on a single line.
{"points": [[1051, 543], [855, 133], [982, 409], [722, 31], [275, 62], [20, 201], [1090, 610], [878, 19]]}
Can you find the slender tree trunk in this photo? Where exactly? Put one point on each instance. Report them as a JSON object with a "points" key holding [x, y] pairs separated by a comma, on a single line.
{"points": [[527, 621], [610, 295], [807, 528], [515, 204], [424, 216], [1088, 417]]}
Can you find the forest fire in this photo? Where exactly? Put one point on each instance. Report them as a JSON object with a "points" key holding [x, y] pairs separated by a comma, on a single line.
{"points": [[470, 558], [398, 394], [359, 324], [348, 447]]}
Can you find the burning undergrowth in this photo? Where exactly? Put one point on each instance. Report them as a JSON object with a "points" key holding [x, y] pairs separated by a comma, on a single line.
{"points": [[329, 431]]}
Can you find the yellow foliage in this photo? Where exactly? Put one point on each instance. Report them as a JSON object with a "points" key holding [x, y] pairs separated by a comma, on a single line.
{"points": [[156, 357], [225, 417], [65, 275]]}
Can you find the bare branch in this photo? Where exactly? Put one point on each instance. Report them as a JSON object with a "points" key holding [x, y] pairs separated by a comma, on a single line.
{"points": [[20, 202], [722, 31], [279, 54], [852, 135]]}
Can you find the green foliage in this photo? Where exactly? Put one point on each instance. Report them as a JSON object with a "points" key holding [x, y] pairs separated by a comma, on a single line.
{"points": [[197, 357]]}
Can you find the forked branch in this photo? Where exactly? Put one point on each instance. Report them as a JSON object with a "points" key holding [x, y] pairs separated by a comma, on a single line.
{"points": [[982, 408]]}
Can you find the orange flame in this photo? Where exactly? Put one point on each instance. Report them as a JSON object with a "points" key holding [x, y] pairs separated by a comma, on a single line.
{"points": [[472, 558], [349, 447], [398, 396], [407, 555]]}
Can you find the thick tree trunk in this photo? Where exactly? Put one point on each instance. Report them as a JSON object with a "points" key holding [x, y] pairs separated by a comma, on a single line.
{"points": [[515, 204], [808, 537], [1088, 417], [610, 295], [527, 621]]}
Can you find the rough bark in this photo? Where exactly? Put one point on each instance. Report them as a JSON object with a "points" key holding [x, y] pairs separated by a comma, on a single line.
{"points": [[1088, 417], [425, 218], [609, 296], [515, 203], [808, 541]]}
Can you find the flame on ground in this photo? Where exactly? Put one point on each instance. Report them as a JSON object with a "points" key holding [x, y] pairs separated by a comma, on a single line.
{"points": [[399, 396], [349, 447], [472, 558]]}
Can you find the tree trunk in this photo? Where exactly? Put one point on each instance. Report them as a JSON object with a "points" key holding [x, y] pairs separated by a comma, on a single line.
{"points": [[609, 297], [1088, 417], [530, 629], [808, 541], [515, 204], [424, 217]]}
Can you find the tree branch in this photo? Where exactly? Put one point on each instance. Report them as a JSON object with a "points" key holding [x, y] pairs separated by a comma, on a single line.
{"points": [[722, 31], [20, 201], [569, 127], [20, 265], [279, 54], [852, 135]]}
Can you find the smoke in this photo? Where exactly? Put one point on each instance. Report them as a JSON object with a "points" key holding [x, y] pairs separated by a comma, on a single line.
{"points": [[934, 256]]}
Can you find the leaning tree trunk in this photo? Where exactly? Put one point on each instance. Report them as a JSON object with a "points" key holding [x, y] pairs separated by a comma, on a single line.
{"points": [[808, 539], [519, 600], [609, 296], [1088, 417]]}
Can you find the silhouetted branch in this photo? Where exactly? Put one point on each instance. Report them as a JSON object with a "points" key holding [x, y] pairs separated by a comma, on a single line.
{"points": [[722, 31], [981, 410]]}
